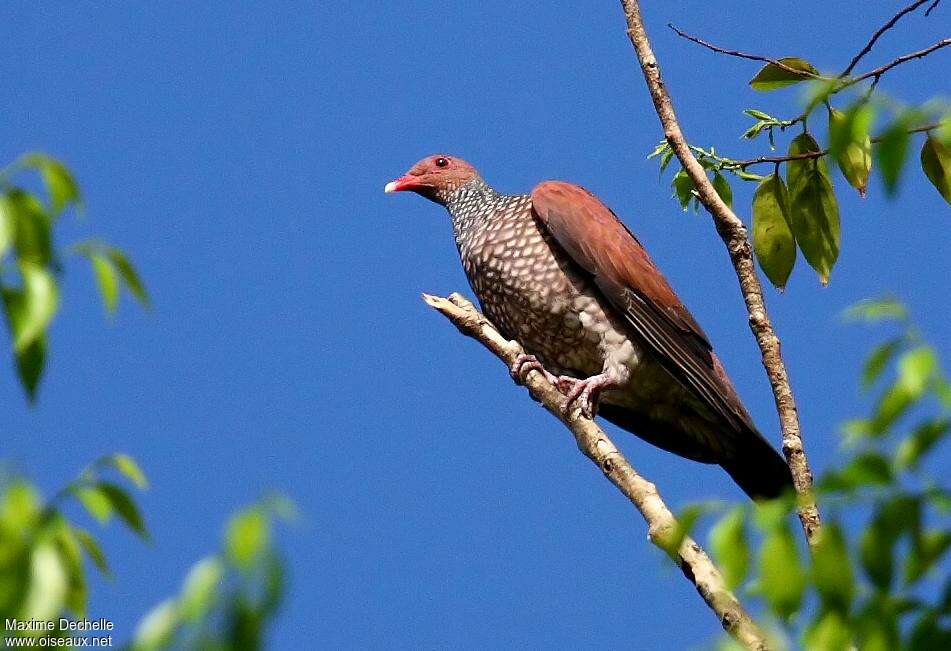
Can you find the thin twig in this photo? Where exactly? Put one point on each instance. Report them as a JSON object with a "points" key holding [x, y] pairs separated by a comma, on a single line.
{"points": [[734, 236], [931, 8], [745, 55], [844, 81], [881, 30], [743, 164], [881, 70], [595, 444]]}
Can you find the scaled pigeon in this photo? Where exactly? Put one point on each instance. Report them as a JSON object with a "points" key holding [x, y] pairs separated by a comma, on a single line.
{"points": [[557, 271]]}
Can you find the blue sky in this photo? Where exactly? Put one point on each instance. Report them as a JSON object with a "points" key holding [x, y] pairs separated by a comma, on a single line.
{"points": [[238, 151]]}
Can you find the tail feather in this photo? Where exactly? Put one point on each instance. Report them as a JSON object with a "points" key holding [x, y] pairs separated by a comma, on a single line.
{"points": [[759, 470], [755, 466]]}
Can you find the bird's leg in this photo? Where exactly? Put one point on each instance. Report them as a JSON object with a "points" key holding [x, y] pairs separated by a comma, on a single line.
{"points": [[524, 364], [585, 393]]}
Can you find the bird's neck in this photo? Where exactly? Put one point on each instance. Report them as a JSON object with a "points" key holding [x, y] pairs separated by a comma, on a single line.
{"points": [[470, 206]]}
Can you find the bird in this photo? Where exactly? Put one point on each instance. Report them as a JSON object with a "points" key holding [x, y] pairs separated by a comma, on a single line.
{"points": [[556, 270]]}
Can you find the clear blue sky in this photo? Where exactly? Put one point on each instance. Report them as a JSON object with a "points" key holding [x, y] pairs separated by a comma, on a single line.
{"points": [[238, 151]]}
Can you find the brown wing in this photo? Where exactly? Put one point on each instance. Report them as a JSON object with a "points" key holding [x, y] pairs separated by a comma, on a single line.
{"points": [[592, 235]]}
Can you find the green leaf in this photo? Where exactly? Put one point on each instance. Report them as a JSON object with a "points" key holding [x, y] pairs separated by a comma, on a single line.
{"points": [[20, 506], [273, 584], [773, 240], [248, 535], [128, 467], [919, 442], [890, 154], [851, 145], [33, 230], [59, 182], [749, 176], [929, 634], [830, 632], [30, 364], [760, 115], [96, 502], [781, 574], [8, 224], [685, 522], [916, 369], [891, 406], [814, 213], [124, 506], [72, 558], [156, 628], [129, 275], [683, 188], [198, 592], [865, 469], [730, 547], [722, 186], [771, 76], [40, 298], [832, 569], [936, 163], [875, 310], [755, 130], [91, 546], [893, 519], [665, 159], [877, 360], [928, 548], [661, 147], [48, 584], [876, 554], [107, 279]]}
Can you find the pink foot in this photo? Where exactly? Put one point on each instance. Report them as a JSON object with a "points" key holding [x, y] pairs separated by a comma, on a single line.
{"points": [[583, 394], [524, 365]]}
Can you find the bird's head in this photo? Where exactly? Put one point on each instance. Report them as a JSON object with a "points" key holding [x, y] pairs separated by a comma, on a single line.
{"points": [[435, 177]]}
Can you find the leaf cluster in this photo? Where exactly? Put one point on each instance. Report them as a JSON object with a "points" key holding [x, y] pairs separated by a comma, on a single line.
{"points": [[44, 554], [31, 263], [227, 599], [874, 579], [799, 212]]}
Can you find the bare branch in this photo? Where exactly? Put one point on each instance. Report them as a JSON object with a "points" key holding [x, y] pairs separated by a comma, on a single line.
{"points": [[932, 7], [844, 80], [734, 236], [881, 30], [878, 72], [595, 444], [744, 55]]}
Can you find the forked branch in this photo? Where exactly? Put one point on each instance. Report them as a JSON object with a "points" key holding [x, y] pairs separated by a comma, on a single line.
{"points": [[734, 236], [595, 444]]}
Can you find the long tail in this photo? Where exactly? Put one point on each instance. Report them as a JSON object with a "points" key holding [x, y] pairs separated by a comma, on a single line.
{"points": [[756, 467], [759, 470]]}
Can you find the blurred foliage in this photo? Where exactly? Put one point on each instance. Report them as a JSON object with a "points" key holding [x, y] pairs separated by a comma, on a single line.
{"points": [[44, 555], [887, 586], [228, 599], [226, 602], [32, 263], [803, 210]]}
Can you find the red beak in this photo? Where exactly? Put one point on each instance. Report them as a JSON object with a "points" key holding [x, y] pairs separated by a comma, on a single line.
{"points": [[402, 183]]}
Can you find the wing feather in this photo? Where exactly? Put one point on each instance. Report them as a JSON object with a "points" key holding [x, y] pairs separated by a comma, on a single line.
{"points": [[592, 235]]}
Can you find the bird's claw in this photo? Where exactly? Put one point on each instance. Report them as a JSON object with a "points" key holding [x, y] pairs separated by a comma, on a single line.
{"points": [[525, 364], [582, 394]]}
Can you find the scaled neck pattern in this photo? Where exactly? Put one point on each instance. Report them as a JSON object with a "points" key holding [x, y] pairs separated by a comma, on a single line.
{"points": [[471, 206]]}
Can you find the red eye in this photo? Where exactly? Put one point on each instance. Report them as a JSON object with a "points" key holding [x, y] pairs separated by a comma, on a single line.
{"points": [[442, 162]]}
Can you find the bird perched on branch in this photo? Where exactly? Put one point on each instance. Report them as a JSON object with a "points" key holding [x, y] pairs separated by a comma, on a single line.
{"points": [[556, 270]]}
